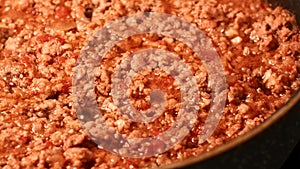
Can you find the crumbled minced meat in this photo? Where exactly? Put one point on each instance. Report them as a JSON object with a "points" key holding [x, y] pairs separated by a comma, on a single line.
{"points": [[41, 40]]}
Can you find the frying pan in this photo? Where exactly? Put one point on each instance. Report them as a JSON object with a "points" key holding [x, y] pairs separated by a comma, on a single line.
{"points": [[266, 146]]}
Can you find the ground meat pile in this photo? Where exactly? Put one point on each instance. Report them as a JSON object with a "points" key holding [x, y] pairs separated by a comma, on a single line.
{"points": [[40, 42]]}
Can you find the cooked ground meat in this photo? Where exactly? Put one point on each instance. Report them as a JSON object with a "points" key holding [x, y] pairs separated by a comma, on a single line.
{"points": [[40, 42]]}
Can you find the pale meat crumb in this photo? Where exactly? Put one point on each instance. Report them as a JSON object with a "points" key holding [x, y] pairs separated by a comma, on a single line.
{"points": [[40, 42]]}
